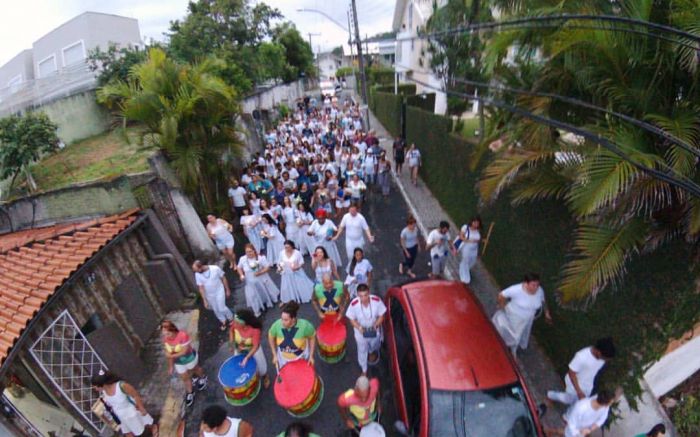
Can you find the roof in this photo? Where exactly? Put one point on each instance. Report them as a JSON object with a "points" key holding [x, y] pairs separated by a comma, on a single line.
{"points": [[461, 348], [398, 15], [34, 263]]}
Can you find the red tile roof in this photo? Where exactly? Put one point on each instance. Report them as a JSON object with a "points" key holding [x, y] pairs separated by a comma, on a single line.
{"points": [[34, 263]]}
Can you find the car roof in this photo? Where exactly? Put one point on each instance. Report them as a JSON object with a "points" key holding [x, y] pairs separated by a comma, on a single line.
{"points": [[460, 347]]}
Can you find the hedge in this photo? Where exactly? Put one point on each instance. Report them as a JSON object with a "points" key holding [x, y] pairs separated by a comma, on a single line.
{"points": [[425, 101], [406, 89], [536, 237], [387, 108], [380, 76]]}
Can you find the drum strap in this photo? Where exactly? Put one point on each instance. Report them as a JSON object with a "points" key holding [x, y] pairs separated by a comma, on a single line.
{"points": [[288, 344]]}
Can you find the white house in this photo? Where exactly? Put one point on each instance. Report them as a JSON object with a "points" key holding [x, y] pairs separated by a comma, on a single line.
{"points": [[328, 63]]}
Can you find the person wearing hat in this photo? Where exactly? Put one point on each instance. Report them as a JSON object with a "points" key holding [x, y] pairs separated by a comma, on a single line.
{"points": [[360, 406], [322, 231]]}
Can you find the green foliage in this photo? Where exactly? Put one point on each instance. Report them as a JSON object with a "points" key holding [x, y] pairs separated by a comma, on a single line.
{"points": [[344, 72], [337, 51], [387, 108], [283, 111], [405, 89], [686, 417], [299, 57], [379, 76], [425, 101], [272, 65], [23, 139], [115, 63]]}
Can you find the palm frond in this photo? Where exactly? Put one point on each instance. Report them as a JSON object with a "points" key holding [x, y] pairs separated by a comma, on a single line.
{"points": [[501, 172]]}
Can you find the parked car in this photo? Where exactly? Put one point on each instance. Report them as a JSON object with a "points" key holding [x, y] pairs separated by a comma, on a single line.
{"points": [[453, 376], [327, 88]]}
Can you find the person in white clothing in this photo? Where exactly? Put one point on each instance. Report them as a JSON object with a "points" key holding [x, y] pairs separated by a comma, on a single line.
{"points": [[273, 239], [125, 403], [583, 369], [366, 315], [438, 243], [290, 216], [216, 423], [519, 305], [237, 195], [296, 285], [468, 248], [220, 231], [214, 289], [414, 162], [585, 416], [359, 271], [322, 230], [355, 225], [260, 291]]}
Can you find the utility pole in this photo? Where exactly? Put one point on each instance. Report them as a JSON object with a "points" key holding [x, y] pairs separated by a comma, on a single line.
{"points": [[363, 77], [311, 46]]}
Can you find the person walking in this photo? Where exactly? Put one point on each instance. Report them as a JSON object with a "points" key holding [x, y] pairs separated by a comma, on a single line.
{"points": [[360, 406], [214, 289], [366, 315], [296, 286], [519, 305], [399, 154], [359, 271], [384, 174], [323, 265], [217, 423], [583, 368], [468, 247], [252, 228], [409, 239], [238, 197], [330, 297], [291, 338], [414, 163], [658, 430], [273, 238], [585, 416], [304, 220], [438, 243], [183, 359], [244, 338], [322, 230], [220, 230], [124, 403], [260, 291], [290, 216], [355, 226]]}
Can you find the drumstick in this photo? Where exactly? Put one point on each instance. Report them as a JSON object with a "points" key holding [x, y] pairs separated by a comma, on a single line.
{"points": [[279, 377]]}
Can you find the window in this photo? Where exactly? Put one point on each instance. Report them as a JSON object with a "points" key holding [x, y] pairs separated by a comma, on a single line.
{"points": [[74, 53], [14, 83], [406, 356], [47, 66]]}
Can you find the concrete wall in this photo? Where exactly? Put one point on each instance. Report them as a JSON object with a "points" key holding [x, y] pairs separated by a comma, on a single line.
{"points": [[77, 116], [268, 99], [674, 368], [21, 65]]}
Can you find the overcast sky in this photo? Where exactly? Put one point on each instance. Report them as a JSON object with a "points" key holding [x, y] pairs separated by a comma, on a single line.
{"points": [[28, 20]]}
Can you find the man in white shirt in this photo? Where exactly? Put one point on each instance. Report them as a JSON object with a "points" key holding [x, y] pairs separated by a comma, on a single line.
{"points": [[237, 195], [583, 369], [585, 416], [438, 243], [214, 289], [366, 315], [354, 224]]}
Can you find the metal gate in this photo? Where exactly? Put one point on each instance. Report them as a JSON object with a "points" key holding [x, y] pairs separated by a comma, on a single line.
{"points": [[64, 354]]}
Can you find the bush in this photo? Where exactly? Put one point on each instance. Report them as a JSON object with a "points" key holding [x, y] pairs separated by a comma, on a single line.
{"points": [[406, 89], [344, 72], [387, 108], [425, 101], [686, 416], [380, 76]]}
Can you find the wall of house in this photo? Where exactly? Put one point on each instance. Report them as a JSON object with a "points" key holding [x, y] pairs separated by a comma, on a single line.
{"points": [[21, 65], [78, 116], [273, 97]]}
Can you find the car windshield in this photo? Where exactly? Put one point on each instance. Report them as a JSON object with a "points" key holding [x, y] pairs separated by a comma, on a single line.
{"points": [[499, 412]]}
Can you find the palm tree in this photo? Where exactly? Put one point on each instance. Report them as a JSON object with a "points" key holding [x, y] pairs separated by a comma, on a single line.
{"points": [[620, 209], [189, 114]]}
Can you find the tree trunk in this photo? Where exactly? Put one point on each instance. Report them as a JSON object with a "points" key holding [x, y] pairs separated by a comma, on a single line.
{"points": [[30, 179]]}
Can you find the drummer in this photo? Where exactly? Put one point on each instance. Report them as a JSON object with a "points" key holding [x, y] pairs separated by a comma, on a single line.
{"points": [[298, 429], [359, 406], [366, 314], [291, 338], [244, 338], [330, 297]]}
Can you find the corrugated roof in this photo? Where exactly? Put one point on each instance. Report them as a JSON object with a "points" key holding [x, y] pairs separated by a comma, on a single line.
{"points": [[34, 263]]}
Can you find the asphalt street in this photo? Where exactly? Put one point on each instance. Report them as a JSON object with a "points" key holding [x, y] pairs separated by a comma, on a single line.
{"points": [[386, 216]]}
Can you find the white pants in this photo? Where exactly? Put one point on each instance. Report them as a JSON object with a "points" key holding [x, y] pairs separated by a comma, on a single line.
{"points": [[217, 303], [351, 245], [564, 397], [365, 346], [466, 264]]}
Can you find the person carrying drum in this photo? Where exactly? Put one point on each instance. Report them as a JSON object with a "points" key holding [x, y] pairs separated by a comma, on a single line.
{"points": [[244, 338], [366, 314], [330, 297], [216, 423], [291, 338], [360, 406]]}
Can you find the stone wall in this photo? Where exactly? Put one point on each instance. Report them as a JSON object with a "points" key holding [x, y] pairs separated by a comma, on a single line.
{"points": [[78, 116], [271, 98]]}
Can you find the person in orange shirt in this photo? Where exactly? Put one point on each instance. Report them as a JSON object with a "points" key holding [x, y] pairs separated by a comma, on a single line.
{"points": [[360, 406], [244, 338]]}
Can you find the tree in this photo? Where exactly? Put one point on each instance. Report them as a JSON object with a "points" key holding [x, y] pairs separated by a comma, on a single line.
{"points": [[299, 57], [189, 113], [23, 139], [337, 51], [272, 65], [115, 63]]}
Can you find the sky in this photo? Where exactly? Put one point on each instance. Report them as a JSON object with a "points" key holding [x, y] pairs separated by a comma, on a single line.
{"points": [[25, 22]]}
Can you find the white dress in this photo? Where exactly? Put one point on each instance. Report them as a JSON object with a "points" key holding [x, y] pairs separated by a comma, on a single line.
{"points": [[355, 228], [291, 230], [321, 271], [252, 231], [260, 291], [320, 233], [514, 322], [360, 275], [275, 243], [307, 244], [469, 252], [295, 284], [222, 237], [132, 421]]}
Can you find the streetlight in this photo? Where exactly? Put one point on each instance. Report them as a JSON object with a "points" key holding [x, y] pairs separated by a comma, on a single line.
{"points": [[336, 22]]}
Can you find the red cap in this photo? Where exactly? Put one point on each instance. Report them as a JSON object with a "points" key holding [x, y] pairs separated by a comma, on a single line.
{"points": [[321, 213]]}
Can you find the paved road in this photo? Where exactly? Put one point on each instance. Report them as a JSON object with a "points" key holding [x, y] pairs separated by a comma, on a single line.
{"points": [[386, 217]]}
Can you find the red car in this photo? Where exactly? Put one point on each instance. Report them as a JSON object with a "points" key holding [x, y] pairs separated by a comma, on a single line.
{"points": [[453, 375]]}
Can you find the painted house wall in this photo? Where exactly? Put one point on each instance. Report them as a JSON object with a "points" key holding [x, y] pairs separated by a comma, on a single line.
{"points": [[21, 66]]}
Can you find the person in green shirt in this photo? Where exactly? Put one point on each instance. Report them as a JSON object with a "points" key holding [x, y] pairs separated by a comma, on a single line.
{"points": [[659, 430], [298, 429], [330, 297], [291, 338]]}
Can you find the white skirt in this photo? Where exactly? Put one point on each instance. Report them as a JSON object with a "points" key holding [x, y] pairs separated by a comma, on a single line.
{"points": [[254, 238], [260, 291], [332, 250], [274, 247], [132, 421], [514, 328], [307, 243], [292, 233], [296, 286]]}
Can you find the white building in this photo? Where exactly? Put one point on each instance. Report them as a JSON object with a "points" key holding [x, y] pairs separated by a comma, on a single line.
{"points": [[328, 63], [412, 54]]}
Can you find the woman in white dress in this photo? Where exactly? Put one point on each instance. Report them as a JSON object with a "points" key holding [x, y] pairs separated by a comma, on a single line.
{"points": [[304, 220], [296, 285], [251, 228], [519, 305], [273, 237], [124, 402], [468, 240], [275, 209], [359, 271], [220, 230], [254, 203], [260, 291], [323, 265], [322, 231], [291, 225]]}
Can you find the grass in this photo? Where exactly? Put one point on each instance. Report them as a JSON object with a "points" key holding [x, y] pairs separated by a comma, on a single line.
{"points": [[102, 156], [470, 127]]}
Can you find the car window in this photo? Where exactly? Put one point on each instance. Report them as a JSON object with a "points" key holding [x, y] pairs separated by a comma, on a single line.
{"points": [[406, 358], [500, 412]]}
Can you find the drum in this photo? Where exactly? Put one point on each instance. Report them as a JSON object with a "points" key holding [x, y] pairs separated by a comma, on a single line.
{"points": [[298, 389], [241, 384], [331, 335]]}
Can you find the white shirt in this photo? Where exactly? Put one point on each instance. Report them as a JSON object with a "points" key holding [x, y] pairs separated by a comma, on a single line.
{"points": [[232, 431], [523, 303], [366, 316], [237, 195], [354, 226], [211, 280], [442, 247], [410, 237], [292, 261], [582, 415], [321, 231], [361, 272], [252, 265], [586, 367], [471, 234], [413, 157]]}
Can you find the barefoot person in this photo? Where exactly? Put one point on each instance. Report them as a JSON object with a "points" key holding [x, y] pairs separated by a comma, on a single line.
{"points": [[220, 231], [126, 404], [244, 338], [260, 291], [214, 289], [183, 359]]}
